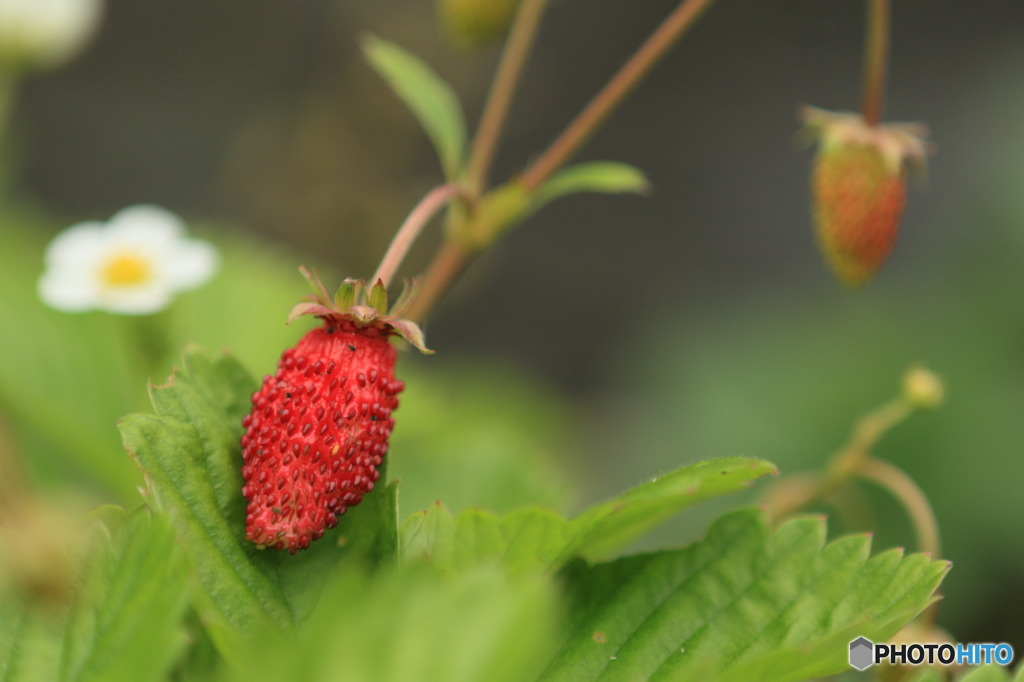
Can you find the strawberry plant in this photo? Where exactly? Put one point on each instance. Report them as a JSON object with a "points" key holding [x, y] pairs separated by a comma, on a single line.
{"points": [[314, 524]]}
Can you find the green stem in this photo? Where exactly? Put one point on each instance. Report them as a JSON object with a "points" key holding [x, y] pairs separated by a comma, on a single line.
{"points": [[865, 436], [417, 219], [147, 340], [920, 511], [517, 49], [616, 90], [876, 58], [913, 499], [848, 461]]}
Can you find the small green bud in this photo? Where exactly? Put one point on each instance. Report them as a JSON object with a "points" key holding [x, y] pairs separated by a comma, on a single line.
{"points": [[922, 389], [476, 23], [45, 33]]}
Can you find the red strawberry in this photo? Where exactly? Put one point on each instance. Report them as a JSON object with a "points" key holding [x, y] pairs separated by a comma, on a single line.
{"points": [[319, 427], [859, 189]]}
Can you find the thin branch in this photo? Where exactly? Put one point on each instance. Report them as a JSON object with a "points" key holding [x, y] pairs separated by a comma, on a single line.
{"points": [[869, 430], [801, 491], [454, 257], [913, 499], [631, 73], [418, 218], [876, 59], [517, 49], [449, 262]]}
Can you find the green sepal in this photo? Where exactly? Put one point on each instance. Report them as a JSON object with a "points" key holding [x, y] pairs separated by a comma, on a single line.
{"points": [[411, 332], [364, 307], [315, 284], [363, 314], [378, 297], [346, 295], [409, 289], [308, 308]]}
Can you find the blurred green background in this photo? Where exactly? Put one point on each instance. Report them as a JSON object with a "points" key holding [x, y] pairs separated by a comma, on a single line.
{"points": [[260, 123]]}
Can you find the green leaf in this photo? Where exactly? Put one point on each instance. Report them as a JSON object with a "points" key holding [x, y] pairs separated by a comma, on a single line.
{"points": [[429, 535], [525, 540], [607, 177], [537, 539], [124, 624], [65, 378], [191, 470], [987, 673], [605, 528], [29, 645], [191, 456], [431, 100], [414, 624], [745, 603], [928, 675], [123, 620], [509, 450], [368, 531], [511, 203]]}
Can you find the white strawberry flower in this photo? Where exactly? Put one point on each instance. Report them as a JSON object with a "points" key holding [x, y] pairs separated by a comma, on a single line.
{"points": [[46, 32], [132, 265]]}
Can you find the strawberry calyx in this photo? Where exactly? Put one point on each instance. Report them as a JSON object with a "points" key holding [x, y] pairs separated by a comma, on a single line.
{"points": [[357, 307], [901, 145]]}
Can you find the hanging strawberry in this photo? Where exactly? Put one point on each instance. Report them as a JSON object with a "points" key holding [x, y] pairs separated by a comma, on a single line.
{"points": [[319, 428], [859, 188]]}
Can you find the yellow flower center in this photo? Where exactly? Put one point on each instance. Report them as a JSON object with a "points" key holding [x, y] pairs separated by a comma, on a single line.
{"points": [[125, 269]]}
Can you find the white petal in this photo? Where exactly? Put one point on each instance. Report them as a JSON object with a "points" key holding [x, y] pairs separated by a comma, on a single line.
{"points": [[68, 291], [135, 300], [192, 263], [77, 245], [146, 226], [47, 32], [78, 257]]}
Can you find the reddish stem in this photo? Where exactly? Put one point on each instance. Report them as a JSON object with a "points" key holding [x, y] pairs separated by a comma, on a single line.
{"points": [[631, 73], [411, 229], [876, 59]]}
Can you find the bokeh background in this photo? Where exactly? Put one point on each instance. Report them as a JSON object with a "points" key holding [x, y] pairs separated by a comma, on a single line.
{"points": [[608, 338]]}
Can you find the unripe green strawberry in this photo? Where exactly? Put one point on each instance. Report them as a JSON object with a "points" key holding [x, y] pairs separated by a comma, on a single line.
{"points": [[319, 427], [476, 23], [859, 189]]}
